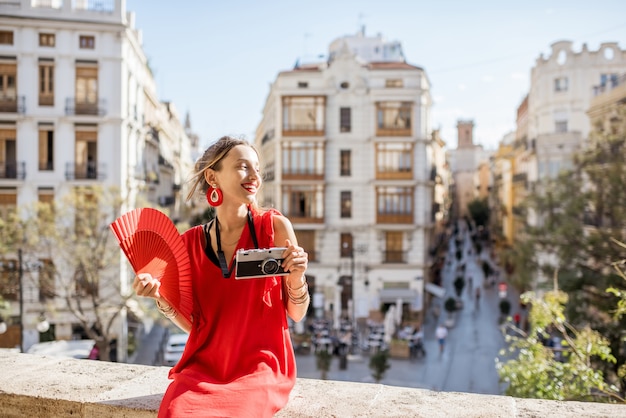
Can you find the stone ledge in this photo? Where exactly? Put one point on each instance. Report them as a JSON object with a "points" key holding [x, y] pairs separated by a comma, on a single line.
{"points": [[43, 386]]}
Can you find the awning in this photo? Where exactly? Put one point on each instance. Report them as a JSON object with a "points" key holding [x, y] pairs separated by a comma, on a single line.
{"points": [[392, 295], [435, 290]]}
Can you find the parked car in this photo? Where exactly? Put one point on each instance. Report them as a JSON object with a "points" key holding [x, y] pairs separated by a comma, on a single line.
{"points": [[73, 348], [174, 348]]}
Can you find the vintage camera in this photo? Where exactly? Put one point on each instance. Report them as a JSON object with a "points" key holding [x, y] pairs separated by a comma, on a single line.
{"points": [[251, 264]]}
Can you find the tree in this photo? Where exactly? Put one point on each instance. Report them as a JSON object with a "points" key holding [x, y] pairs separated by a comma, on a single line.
{"points": [[580, 215], [479, 211], [533, 371], [379, 364], [81, 259]]}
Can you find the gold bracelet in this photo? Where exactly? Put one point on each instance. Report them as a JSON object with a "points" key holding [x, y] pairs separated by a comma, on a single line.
{"points": [[168, 312], [300, 299], [295, 290]]}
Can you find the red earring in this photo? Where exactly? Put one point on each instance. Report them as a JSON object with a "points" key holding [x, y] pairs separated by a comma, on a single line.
{"points": [[214, 196]]}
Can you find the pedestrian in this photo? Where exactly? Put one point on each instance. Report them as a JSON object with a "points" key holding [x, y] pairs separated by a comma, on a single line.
{"points": [[441, 333], [239, 360], [517, 319], [477, 300]]}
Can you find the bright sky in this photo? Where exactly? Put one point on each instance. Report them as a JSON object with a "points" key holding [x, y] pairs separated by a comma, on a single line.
{"points": [[217, 59]]}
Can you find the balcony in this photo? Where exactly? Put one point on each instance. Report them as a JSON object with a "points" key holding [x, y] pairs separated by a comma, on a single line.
{"points": [[13, 104], [76, 108], [15, 170], [85, 171], [308, 129], [394, 256], [394, 218], [83, 388]]}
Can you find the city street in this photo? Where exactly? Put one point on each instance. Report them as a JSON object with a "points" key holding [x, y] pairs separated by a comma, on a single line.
{"points": [[468, 361]]}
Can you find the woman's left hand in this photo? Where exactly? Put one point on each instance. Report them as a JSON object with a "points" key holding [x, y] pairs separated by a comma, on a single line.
{"points": [[295, 259]]}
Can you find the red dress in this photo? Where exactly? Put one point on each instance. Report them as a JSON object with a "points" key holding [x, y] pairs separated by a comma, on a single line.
{"points": [[239, 360]]}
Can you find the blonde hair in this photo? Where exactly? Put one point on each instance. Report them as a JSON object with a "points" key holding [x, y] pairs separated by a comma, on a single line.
{"points": [[212, 158]]}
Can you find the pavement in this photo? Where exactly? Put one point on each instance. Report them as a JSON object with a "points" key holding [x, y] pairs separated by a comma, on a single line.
{"points": [[467, 363]]}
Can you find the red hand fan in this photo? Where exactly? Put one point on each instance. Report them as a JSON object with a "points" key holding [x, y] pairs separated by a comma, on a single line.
{"points": [[152, 244]]}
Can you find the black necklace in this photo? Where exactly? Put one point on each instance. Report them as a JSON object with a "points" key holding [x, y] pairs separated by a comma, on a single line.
{"points": [[226, 272]]}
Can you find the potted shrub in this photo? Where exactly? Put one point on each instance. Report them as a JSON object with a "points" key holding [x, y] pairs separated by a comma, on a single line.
{"points": [[379, 363], [323, 361]]}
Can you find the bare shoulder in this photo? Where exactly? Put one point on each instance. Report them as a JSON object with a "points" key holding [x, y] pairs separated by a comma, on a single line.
{"points": [[283, 229], [282, 224]]}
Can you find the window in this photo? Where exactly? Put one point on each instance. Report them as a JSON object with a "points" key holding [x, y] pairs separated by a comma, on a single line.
{"points": [[8, 87], [345, 157], [560, 126], [9, 280], [6, 37], [303, 115], [303, 160], [560, 84], [394, 205], [46, 148], [87, 89], [344, 85], [393, 247], [394, 83], [8, 202], [305, 201], [303, 84], [87, 42], [610, 80], [346, 204], [46, 83], [8, 154], [394, 160], [46, 39], [346, 242], [393, 118], [86, 152], [345, 120]]}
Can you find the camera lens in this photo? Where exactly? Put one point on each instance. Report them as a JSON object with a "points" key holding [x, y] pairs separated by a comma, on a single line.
{"points": [[270, 266]]}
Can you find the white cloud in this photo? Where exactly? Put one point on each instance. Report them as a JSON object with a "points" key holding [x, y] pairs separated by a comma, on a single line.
{"points": [[487, 78], [462, 87], [519, 76]]}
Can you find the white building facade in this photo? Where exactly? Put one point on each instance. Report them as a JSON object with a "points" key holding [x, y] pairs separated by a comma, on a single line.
{"points": [[561, 90], [78, 107], [349, 157]]}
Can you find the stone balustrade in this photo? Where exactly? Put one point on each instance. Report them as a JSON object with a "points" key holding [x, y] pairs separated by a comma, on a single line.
{"points": [[39, 386]]}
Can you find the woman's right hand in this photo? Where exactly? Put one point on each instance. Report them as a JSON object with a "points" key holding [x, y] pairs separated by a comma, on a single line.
{"points": [[147, 286]]}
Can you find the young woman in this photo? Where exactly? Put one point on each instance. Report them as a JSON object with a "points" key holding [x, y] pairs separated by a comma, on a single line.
{"points": [[238, 361]]}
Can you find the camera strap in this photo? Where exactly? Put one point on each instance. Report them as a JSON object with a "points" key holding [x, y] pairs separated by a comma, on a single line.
{"points": [[226, 272]]}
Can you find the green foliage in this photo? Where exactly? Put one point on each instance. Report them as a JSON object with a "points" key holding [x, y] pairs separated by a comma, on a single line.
{"points": [[323, 360], [579, 217], [379, 364], [450, 305], [83, 257], [479, 211], [531, 368]]}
